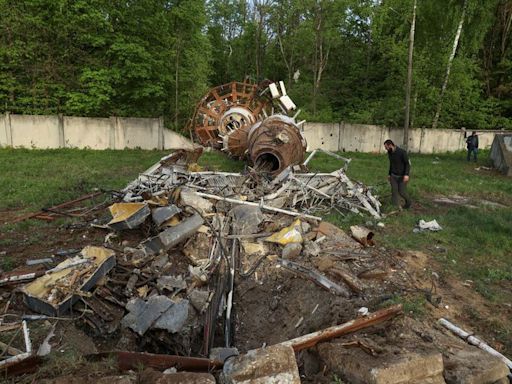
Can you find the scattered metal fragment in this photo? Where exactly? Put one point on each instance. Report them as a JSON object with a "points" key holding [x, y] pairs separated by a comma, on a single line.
{"points": [[158, 312], [162, 214], [128, 215], [135, 360], [173, 236], [58, 289]]}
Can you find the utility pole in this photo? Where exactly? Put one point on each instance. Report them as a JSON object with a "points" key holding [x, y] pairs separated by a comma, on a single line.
{"points": [[409, 78]]}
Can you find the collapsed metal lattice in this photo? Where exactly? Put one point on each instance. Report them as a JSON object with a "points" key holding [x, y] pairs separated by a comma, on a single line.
{"points": [[293, 193]]}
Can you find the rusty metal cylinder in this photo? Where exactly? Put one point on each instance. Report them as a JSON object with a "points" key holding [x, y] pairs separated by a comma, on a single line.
{"points": [[276, 143]]}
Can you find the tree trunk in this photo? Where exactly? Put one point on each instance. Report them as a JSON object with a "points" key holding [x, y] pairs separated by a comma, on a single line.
{"points": [[409, 78], [449, 66]]}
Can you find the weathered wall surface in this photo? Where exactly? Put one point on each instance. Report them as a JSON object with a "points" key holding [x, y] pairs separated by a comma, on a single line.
{"points": [[31, 131], [370, 138]]}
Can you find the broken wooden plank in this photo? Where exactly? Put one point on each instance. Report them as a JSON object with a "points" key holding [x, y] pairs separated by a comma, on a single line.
{"points": [[312, 339], [352, 281]]}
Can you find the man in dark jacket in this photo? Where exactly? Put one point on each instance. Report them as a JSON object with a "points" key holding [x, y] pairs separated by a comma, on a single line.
{"points": [[398, 175], [472, 143]]}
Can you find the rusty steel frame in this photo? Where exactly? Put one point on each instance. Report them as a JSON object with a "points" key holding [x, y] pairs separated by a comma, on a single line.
{"points": [[207, 121]]}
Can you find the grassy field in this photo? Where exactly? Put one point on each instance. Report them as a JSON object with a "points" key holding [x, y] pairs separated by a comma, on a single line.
{"points": [[475, 243]]}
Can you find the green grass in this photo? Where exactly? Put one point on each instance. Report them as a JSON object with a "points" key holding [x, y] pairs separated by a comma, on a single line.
{"points": [[32, 179]]}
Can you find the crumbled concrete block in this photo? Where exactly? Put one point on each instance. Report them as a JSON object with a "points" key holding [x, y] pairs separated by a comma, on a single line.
{"points": [[199, 299], [291, 251], [186, 378], [473, 366], [275, 364], [246, 219], [191, 198], [359, 368]]}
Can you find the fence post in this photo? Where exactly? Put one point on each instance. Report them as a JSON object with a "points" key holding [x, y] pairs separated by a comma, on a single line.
{"points": [[8, 129], [62, 139], [112, 132], [161, 142]]}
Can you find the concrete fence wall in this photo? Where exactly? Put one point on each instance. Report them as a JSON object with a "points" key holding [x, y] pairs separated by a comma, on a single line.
{"points": [[370, 138], [33, 131]]}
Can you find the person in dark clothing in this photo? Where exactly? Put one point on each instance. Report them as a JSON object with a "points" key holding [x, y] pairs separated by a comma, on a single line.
{"points": [[472, 143], [398, 175]]}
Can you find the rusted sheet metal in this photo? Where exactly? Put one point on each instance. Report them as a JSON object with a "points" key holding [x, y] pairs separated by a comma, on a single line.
{"points": [[41, 215], [29, 364], [312, 339], [134, 360], [276, 144]]}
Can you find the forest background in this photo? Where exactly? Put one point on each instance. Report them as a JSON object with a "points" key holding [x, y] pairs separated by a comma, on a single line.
{"points": [[342, 60]]}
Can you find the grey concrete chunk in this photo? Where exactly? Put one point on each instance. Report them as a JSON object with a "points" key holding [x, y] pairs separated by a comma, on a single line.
{"points": [[472, 366], [199, 299], [246, 219], [275, 364], [191, 198], [389, 368]]}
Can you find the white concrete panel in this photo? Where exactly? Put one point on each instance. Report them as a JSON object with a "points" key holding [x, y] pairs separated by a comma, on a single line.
{"points": [[3, 134], [173, 140], [138, 133], [86, 132], [322, 135], [31, 131], [362, 138]]}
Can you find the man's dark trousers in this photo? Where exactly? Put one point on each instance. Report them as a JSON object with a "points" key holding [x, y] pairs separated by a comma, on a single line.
{"points": [[474, 151], [399, 188]]}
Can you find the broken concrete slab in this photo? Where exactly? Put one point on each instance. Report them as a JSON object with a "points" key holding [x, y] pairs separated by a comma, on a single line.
{"points": [[472, 366], [199, 299], [275, 364], [360, 368], [246, 219], [161, 214], [172, 236], [190, 198]]}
